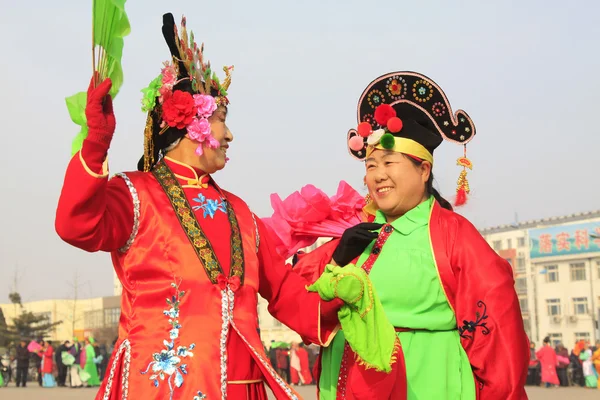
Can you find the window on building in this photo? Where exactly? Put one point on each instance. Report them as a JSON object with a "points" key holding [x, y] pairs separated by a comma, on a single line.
{"points": [[111, 316], [555, 339], [577, 271], [598, 268], [552, 273], [509, 243], [497, 245], [521, 262], [582, 336], [524, 305], [521, 285], [580, 305], [521, 242], [553, 306]]}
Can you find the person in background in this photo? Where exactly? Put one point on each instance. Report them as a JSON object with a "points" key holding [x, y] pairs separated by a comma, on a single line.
{"points": [[562, 355], [299, 370], [23, 357], [61, 367], [47, 365], [37, 359], [548, 362], [533, 374], [75, 351], [87, 362], [589, 372], [105, 354], [596, 361]]}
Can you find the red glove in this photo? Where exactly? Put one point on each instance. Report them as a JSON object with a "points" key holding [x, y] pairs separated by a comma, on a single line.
{"points": [[99, 112]]}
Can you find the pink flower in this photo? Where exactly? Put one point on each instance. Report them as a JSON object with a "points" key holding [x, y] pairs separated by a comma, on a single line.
{"points": [[169, 76], [199, 131], [206, 105], [165, 92]]}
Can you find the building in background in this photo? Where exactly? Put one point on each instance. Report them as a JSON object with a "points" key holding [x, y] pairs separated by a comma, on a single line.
{"points": [[556, 262], [80, 318]]}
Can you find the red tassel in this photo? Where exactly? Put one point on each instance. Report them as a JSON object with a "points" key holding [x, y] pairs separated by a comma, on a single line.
{"points": [[461, 197]]}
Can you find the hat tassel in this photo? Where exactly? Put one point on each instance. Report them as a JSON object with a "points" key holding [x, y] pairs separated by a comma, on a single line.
{"points": [[462, 188]]}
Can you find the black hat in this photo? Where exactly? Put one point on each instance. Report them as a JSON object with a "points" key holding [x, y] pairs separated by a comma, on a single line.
{"points": [[409, 113]]}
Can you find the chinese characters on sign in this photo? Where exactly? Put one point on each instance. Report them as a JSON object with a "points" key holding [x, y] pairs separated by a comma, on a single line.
{"points": [[564, 240]]}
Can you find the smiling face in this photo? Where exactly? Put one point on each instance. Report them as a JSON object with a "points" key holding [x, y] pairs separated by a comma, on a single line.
{"points": [[395, 183], [215, 159]]}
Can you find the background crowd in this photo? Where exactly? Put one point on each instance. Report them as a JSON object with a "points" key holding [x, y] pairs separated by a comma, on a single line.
{"points": [[556, 366], [72, 364]]}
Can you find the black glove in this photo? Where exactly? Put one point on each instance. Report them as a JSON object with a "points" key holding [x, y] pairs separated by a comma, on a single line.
{"points": [[354, 241]]}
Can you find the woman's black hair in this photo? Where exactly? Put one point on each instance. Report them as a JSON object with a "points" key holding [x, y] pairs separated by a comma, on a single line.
{"points": [[429, 186]]}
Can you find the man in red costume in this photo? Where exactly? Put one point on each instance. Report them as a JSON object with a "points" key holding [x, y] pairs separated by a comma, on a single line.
{"points": [[191, 257]]}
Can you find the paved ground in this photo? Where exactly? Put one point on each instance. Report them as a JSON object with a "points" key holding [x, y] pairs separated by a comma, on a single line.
{"points": [[36, 393]]}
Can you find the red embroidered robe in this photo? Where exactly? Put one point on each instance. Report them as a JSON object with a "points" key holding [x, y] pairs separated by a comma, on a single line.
{"points": [[182, 335], [478, 283]]}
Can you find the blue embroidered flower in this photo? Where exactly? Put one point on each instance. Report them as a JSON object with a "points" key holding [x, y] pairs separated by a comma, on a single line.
{"points": [[209, 206], [422, 91], [172, 313], [166, 364], [200, 396]]}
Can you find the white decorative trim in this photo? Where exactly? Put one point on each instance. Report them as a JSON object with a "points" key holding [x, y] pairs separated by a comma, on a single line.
{"points": [[288, 390], [223, 340], [136, 212], [256, 230], [124, 374]]}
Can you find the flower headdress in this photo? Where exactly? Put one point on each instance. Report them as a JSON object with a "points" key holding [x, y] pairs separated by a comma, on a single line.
{"points": [[181, 99], [409, 113]]}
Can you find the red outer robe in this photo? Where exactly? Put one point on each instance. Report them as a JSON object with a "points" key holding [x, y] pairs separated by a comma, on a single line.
{"points": [[479, 286], [547, 357], [95, 213], [303, 376], [48, 363]]}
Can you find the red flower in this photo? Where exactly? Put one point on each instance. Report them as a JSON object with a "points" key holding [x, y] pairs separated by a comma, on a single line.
{"points": [[234, 283], [179, 109], [383, 113], [222, 281]]}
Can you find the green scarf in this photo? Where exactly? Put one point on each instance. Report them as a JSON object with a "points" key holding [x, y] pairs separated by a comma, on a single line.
{"points": [[366, 328]]}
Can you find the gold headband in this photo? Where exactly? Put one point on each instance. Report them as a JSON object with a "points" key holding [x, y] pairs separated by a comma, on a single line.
{"points": [[405, 146]]}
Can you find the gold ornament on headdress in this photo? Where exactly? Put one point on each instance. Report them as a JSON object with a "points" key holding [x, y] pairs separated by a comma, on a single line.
{"points": [[203, 78], [148, 143]]}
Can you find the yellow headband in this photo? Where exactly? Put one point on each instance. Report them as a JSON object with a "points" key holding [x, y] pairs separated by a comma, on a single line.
{"points": [[406, 146]]}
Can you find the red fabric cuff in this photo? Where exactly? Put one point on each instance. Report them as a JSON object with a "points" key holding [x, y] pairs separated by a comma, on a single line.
{"points": [[94, 154]]}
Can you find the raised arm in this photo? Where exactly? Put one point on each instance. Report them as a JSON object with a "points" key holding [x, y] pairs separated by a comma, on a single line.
{"points": [[94, 213]]}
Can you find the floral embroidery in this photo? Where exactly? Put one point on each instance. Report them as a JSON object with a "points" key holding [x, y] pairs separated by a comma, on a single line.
{"points": [[200, 396], [168, 361], [209, 206], [480, 321]]}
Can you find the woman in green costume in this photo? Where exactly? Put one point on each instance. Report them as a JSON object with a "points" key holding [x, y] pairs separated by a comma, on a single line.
{"points": [[450, 297], [88, 363]]}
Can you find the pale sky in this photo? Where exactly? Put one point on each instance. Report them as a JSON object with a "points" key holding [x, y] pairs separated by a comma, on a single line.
{"points": [[527, 72]]}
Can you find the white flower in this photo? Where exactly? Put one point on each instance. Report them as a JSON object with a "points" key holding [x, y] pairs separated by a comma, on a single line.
{"points": [[375, 137]]}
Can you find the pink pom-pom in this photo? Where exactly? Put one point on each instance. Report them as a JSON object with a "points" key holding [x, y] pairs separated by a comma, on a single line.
{"points": [[356, 143]]}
